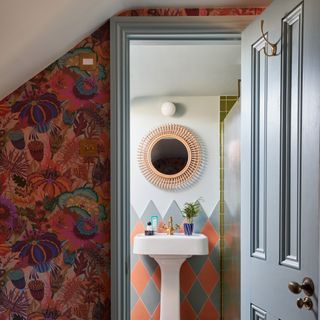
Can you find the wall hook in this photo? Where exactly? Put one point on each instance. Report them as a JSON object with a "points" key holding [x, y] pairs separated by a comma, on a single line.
{"points": [[274, 46]]}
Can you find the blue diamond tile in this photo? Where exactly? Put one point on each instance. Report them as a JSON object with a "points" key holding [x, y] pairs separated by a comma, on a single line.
{"points": [[174, 212], [197, 262], [182, 296], [197, 297], [150, 264], [200, 220], [151, 297], [133, 218], [149, 211], [215, 217], [215, 296], [133, 259], [133, 297], [215, 256]]}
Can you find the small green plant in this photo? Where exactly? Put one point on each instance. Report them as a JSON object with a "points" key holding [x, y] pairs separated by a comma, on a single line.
{"points": [[191, 210]]}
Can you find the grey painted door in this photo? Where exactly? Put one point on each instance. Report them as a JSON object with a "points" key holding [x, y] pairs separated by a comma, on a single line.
{"points": [[280, 161]]}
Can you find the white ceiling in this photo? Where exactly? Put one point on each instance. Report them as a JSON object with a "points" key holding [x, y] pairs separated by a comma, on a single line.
{"points": [[187, 69], [34, 33]]}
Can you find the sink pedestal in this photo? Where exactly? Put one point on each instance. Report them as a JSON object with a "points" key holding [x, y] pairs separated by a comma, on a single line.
{"points": [[170, 251], [170, 285]]}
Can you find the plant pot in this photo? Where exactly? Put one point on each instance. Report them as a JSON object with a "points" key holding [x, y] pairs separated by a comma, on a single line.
{"points": [[188, 229]]}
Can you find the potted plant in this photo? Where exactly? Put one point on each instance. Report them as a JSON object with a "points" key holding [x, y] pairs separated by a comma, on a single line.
{"points": [[190, 211]]}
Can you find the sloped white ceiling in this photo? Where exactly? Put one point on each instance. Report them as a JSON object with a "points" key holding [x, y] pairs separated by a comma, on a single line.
{"points": [[34, 33]]}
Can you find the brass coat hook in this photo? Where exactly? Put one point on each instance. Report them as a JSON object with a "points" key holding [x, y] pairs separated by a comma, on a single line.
{"points": [[274, 46]]}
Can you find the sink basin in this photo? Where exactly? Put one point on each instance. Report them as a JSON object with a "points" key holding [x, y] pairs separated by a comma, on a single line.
{"points": [[170, 251], [177, 244]]}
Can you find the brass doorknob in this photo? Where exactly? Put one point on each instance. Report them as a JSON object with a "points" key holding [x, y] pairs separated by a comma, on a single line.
{"points": [[307, 287], [306, 302]]}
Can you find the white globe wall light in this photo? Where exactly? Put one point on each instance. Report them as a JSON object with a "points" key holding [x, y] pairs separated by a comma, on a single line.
{"points": [[168, 109]]}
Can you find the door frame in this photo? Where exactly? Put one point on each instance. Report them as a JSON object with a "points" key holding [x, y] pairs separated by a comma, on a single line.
{"points": [[123, 30]]}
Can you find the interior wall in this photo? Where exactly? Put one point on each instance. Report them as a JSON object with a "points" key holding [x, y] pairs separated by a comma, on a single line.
{"points": [[199, 275], [201, 115], [54, 185]]}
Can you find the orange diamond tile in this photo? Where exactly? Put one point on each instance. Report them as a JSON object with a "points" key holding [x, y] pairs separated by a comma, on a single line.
{"points": [[157, 278], [138, 228], [208, 277], [140, 312], [187, 277], [186, 311], [209, 312], [139, 277], [156, 314], [212, 235]]}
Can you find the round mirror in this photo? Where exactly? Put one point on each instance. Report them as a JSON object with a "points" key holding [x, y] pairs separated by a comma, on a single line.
{"points": [[169, 156]]}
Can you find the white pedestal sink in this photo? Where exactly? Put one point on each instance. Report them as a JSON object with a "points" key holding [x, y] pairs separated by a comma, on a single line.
{"points": [[170, 251]]}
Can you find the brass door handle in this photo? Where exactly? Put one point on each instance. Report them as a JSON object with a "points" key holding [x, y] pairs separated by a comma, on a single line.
{"points": [[306, 302], [307, 287]]}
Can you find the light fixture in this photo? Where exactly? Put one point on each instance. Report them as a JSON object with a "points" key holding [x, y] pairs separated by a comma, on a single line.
{"points": [[168, 109]]}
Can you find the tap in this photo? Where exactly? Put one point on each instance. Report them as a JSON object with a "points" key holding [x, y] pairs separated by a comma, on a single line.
{"points": [[170, 228]]}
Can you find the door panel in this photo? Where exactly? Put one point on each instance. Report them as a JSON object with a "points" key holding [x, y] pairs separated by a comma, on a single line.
{"points": [[280, 161], [259, 65], [290, 139], [259, 142]]}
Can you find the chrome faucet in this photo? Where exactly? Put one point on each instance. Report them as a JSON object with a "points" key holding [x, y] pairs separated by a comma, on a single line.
{"points": [[170, 228]]}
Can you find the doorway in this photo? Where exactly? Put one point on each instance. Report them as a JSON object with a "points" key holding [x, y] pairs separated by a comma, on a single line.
{"points": [[199, 79], [151, 45]]}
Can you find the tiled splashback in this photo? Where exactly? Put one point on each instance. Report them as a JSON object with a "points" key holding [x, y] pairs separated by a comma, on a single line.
{"points": [[199, 277]]}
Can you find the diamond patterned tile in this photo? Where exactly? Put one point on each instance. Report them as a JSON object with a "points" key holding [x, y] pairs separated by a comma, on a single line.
{"points": [[187, 277], [139, 312], [182, 296], [133, 297], [186, 311], [212, 235], [151, 297], [150, 264], [175, 212], [209, 312], [215, 216], [157, 278], [197, 297], [139, 277], [208, 277], [197, 262], [215, 256], [200, 220], [215, 296], [138, 228], [156, 314], [133, 258], [149, 211], [134, 218]]}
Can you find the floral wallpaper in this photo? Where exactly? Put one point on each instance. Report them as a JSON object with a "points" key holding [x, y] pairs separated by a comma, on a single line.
{"points": [[55, 182], [54, 203]]}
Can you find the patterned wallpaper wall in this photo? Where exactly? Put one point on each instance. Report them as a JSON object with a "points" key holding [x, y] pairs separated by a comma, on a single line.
{"points": [[55, 182]]}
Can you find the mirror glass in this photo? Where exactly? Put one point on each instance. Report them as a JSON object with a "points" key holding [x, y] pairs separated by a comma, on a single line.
{"points": [[169, 156]]}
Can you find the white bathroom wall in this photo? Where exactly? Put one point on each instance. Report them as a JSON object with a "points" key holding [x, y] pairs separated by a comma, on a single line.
{"points": [[201, 115]]}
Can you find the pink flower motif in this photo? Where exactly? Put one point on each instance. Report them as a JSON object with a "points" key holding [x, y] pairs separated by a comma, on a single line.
{"points": [[78, 232], [78, 92]]}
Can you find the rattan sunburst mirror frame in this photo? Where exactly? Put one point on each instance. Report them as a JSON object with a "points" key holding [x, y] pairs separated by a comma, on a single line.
{"points": [[188, 174]]}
